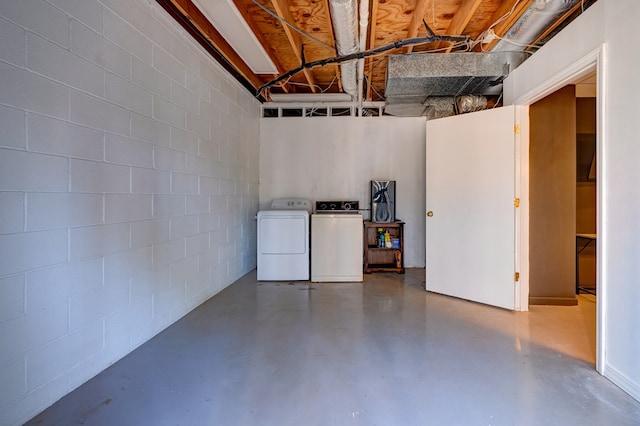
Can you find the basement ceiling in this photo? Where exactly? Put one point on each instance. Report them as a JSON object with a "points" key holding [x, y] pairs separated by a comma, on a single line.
{"points": [[265, 44]]}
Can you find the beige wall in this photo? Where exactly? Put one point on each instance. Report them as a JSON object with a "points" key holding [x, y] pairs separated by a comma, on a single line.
{"points": [[586, 196], [552, 198], [586, 224]]}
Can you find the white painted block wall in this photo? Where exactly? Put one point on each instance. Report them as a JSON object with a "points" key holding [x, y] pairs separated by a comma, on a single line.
{"points": [[325, 158], [128, 188]]}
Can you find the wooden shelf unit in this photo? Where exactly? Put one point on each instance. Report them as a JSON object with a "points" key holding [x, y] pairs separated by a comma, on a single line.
{"points": [[378, 259]]}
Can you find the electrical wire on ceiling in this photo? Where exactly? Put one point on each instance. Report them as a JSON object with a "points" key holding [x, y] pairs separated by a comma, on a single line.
{"points": [[498, 101], [466, 44], [378, 63], [483, 35], [505, 16], [335, 78], [363, 54], [374, 66], [293, 27], [295, 83], [366, 77], [528, 46]]}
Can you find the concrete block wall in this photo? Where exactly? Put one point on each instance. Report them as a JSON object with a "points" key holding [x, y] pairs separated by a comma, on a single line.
{"points": [[128, 188]]}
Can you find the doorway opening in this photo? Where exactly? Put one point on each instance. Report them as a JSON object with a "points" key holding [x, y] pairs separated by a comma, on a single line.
{"points": [[563, 207], [586, 204]]}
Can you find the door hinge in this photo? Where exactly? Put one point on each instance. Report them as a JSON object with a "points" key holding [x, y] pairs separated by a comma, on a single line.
{"points": [[516, 276], [516, 129], [516, 202]]}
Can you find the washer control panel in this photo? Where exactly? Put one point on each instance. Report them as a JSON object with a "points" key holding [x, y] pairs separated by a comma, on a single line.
{"points": [[292, 204]]}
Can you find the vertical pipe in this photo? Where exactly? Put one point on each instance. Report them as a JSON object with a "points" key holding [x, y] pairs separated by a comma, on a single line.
{"points": [[364, 23]]}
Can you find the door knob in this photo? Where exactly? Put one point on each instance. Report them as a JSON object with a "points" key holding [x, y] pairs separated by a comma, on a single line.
{"points": [[430, 213]]}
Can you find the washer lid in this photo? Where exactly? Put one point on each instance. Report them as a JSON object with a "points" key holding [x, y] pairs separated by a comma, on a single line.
{"points": [[292, 204]]}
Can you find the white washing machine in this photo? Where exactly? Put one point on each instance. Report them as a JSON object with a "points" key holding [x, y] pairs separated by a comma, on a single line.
{"points": [[283, 241], [336, 244]]}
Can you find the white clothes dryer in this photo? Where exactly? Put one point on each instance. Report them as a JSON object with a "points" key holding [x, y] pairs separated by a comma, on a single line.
{"points": [[283, 241]]}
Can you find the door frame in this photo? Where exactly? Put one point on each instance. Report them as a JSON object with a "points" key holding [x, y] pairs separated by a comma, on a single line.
{"points": [[594, 60]]}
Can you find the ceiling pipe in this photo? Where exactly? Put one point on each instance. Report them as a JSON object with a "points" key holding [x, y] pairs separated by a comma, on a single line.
{"points": [[344, 17], [531, 24], [364, 23]]}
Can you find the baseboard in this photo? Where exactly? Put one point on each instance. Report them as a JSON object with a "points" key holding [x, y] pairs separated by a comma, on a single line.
{"points": [[622, 381], [556, 301]]}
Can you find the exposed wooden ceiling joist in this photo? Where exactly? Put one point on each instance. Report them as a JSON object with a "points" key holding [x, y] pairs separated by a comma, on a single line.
{"points": [[505, 16], [416, 21], [282, 9], [460, 20], [373, 19], [390, 22]]}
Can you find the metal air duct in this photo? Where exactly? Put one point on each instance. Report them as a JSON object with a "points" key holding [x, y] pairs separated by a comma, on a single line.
{"points": [[428, 84], [533, 21], [364, 23], [344, 17]]}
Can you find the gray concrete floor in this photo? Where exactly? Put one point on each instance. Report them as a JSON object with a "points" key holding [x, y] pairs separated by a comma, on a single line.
{"points": [[384, 352]]}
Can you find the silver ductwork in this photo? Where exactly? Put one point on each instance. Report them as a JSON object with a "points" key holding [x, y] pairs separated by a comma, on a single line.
{"points": [[449, 74], [415, 81], [532, 23], [364, 23], [344, 17], [428, 84]]}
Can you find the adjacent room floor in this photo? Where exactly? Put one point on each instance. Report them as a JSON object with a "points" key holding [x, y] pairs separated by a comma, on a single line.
{"points": [[382, 352]]}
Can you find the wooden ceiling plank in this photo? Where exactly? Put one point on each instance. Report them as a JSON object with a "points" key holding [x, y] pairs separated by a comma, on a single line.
{"points": [[373, 20], [460, 20], [389, 20], [242, 6], [282, 9], [416, 20], [283, 86], [336, 69], [502, 27], [193, 14], [332, 42]]}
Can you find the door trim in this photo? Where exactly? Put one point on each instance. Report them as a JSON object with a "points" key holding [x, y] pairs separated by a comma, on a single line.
{"points": [[521, 191], [595, 59]]}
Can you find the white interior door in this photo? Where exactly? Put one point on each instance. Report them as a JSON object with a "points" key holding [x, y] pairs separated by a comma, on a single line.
{"points": [[470, 224]]}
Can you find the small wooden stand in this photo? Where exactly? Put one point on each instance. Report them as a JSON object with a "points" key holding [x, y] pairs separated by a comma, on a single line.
{"points": [[378, 259]]}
